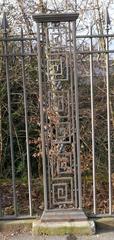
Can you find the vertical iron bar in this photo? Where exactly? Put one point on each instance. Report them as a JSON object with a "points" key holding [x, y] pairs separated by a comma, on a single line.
{"points": [[108, 123], [77, 116], [26, 126], [10, 121], [49, 168], [92, 123], [75, 7], [73, 124], [42, 117]]}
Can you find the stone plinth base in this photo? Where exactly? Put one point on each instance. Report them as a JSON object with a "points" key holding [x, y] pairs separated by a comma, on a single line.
{"points": [[62, 228], [63, 215], [63, 221]]}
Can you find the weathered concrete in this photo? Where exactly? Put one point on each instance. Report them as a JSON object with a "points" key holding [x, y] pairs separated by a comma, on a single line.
{"points": [[63, 228]]}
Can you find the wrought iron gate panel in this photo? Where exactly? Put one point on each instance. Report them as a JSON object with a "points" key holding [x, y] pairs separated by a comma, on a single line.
{"points": [[59, 105]]}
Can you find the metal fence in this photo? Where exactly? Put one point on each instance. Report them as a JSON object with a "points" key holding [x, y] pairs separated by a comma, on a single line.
{"points": [[17, 52], [76, 121]]}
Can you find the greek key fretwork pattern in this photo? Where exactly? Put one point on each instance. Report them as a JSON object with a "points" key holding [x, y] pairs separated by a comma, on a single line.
{"points": [[62, 165], [57, 67], [65, 164], [60, 126], [56, 39], [59, 102], [58, 36], [61, 133], [62, 191]]}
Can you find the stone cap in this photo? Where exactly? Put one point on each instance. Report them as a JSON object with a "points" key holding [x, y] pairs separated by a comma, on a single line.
{"points": [[58, 17]]}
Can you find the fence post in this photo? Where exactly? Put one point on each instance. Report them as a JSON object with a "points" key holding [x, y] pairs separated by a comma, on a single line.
{"points": [[66, 196], [5, 26], [108, 112], [26, 125], [92, 122]]}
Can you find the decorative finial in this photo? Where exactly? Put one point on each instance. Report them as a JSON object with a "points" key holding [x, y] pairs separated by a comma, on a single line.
{"points": [[4, 22], [108, 22]]}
